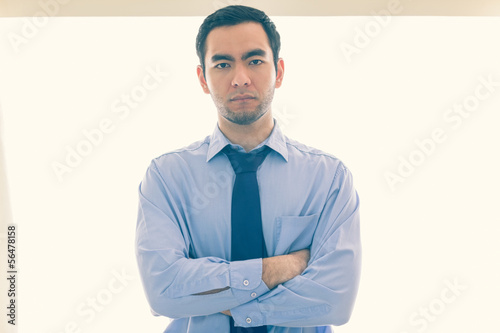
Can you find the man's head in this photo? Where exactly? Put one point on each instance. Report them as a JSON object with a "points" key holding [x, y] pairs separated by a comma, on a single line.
{"points": [[233, 15], [239, 60]]}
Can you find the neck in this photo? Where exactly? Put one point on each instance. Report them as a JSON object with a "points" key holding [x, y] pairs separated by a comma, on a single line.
{"points": [[247, 136]]}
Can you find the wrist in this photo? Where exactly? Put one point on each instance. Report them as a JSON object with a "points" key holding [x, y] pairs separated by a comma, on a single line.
{"points": [[279, 269], [276, 270], [268, 275]]}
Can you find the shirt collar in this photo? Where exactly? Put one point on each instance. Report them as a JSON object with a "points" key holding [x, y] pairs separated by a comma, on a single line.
{"points": [[276, 141]]}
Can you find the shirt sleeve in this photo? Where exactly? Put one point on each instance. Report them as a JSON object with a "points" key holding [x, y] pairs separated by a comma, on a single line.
{"points": [[324, 294], [169, 277]]}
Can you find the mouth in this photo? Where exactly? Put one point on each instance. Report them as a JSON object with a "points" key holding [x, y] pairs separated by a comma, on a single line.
{"points": [[241, 98]]}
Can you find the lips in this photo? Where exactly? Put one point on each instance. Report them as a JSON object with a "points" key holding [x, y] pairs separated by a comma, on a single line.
{"points": [[244, 97]]}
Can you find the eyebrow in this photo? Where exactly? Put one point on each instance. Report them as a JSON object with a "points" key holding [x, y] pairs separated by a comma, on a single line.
{"points": [[252, 53], [245, 56]]}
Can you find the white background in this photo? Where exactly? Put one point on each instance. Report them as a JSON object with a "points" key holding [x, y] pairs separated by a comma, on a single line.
{"points": [[440, 224]]}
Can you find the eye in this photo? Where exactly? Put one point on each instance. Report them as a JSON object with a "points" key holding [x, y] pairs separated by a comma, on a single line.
{"points": [[222, 65], [256, 62]]}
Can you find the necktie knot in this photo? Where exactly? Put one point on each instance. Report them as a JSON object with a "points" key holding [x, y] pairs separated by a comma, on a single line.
{"points": [[245, 162]]}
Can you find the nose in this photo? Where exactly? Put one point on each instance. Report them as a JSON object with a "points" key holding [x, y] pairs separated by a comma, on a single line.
{"points": [[241, 77]]}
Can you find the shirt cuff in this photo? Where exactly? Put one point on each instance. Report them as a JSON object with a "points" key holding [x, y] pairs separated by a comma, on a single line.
{"points": [[248, 315], [246, 280]]}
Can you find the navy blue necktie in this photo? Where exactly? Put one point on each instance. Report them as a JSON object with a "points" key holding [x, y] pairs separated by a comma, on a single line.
{"points": [[247, 241]]}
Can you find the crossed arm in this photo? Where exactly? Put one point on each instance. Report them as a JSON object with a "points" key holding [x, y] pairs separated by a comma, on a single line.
{"points": [[276, 270], [291, 290]]}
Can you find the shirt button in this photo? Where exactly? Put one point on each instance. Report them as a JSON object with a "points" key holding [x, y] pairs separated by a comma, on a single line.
{"points": [[246, 283], [253, 294], [248, 320]]}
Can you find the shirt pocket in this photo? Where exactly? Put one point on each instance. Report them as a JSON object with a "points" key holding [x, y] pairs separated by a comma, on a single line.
{"points": [[294, 233]]}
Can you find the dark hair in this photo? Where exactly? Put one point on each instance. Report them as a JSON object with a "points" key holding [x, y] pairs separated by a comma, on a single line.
{"points": [[233, 15]]}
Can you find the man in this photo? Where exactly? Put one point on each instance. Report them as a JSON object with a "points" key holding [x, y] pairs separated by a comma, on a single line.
{"points": [[303, 273]]}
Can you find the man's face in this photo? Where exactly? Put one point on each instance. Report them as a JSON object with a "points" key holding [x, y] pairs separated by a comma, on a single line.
{"points": [[239, 72]]}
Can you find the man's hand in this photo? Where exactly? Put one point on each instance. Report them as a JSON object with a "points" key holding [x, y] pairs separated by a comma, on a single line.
{"points": [[279, 269], [276, 270]]}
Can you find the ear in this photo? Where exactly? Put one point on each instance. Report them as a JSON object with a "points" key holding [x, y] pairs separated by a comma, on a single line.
{"points": [[201, 78], [280, 73]]}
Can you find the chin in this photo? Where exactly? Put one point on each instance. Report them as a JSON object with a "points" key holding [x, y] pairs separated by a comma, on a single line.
{"points": [[243, 118]]}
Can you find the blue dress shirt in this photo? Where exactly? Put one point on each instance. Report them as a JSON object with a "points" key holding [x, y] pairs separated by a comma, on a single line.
{"points": [[183, 243]]}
